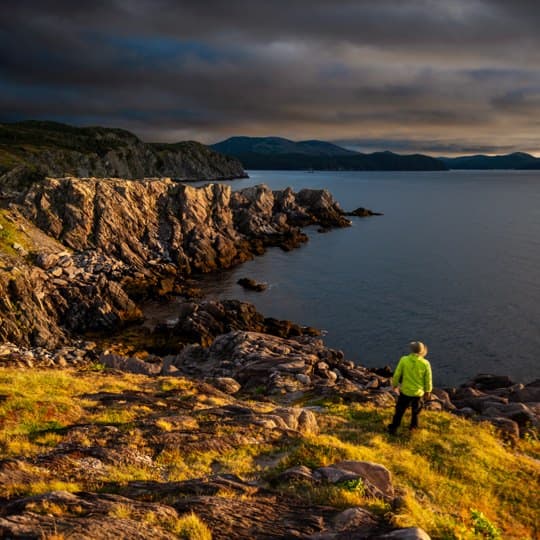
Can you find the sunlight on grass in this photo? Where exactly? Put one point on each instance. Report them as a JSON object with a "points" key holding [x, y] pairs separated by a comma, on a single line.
{"points": [[191, 527], [446, 469], [455, 478], [39, 404]]}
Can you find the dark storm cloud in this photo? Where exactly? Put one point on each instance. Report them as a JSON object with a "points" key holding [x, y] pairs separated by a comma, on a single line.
{"points": [[421, 70]]}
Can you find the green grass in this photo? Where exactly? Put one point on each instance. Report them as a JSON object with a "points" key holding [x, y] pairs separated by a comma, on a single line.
{"points": [[190, 527], [9, 234], [446, 471], [457, 479]]}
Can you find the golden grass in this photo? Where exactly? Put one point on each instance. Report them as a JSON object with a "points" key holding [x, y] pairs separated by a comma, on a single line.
{"points": [[447, 470], [457, 478], [191, 527]]}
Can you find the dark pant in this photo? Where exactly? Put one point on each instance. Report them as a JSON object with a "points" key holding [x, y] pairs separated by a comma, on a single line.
{"points": [[402, 405]]}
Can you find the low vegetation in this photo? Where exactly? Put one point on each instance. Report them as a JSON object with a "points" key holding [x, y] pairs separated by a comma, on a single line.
{"points": [[454, 478]]}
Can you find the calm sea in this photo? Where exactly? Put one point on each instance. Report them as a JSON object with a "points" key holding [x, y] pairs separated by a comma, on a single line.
{"points": [[454, 262]]}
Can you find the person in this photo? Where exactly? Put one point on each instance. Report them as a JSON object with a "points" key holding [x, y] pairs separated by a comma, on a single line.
{"points": [[413, 380]]}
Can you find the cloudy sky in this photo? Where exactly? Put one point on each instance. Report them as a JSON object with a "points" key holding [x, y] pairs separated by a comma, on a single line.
{"points": [[437, 76]]}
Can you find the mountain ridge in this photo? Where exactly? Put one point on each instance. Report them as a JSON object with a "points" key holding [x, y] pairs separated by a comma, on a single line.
{"points": [[514, 160], [281, 154]]}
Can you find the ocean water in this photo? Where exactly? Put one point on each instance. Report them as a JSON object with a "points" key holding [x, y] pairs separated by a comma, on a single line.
{"points": [[454, 262]]}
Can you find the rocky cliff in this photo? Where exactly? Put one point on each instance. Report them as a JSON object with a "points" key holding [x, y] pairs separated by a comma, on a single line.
{"points": [[31, 150], [105, 243]]}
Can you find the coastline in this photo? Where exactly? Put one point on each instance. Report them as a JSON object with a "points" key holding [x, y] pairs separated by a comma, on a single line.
{"points": [[223, 403]]}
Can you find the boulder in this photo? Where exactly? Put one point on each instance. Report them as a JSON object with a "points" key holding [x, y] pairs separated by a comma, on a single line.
{"points": [[518, 412], [130, 365], [226, 384], [363, 212], [529, 393], [378, 475], [300, 473], [252, 285], [507, 427], [487, 381]]}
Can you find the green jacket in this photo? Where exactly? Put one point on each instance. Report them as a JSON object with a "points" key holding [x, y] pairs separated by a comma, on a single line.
{"points": [[413, 375]]}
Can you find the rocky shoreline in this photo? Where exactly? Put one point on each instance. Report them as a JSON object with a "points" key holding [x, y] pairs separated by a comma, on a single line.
{"points": [[79, 256]]}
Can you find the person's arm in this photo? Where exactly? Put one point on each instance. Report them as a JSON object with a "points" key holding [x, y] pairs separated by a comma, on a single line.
{"points": [[428, 381], [397, 374]]}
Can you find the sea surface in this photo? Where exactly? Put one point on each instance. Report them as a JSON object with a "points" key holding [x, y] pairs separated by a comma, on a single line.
{"points": [[454, 262]]}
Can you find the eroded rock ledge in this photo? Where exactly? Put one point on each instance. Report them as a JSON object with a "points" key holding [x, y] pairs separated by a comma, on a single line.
{"points": [[117, 240]]}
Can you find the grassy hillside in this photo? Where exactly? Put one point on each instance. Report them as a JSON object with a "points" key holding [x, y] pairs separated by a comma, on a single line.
{"points": [[457, 479]]}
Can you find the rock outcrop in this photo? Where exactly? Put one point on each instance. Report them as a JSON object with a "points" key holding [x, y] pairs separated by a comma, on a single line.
{"points": [[201, 322], [513, 408], [274, 365], [110, 242], [159, 221]]}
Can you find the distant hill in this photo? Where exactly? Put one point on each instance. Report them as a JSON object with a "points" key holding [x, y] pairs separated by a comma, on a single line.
{"points": [[277, 145], [517, 160], [275, 153], [33, 149]]}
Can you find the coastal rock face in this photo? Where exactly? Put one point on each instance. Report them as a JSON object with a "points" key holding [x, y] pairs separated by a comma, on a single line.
{"points": [[202, 322], [194, 229], [274, 217], [125, 238], [43, 306], [139, 222]]}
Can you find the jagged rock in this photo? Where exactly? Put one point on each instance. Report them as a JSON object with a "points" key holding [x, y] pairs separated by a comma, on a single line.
{"points": [[507, 427], [334, 475], [130, 365], [500, 401], [300, 473], [479, 402], [202, 322], [303, 378], [132, 237], [443, 398], [197, 229], [466, 412], [256, 359], [518, 412], [486, 381], [528, 393]]}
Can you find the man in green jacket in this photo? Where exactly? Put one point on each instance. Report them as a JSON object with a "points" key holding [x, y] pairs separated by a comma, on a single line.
{"points": [[412, 379]]}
